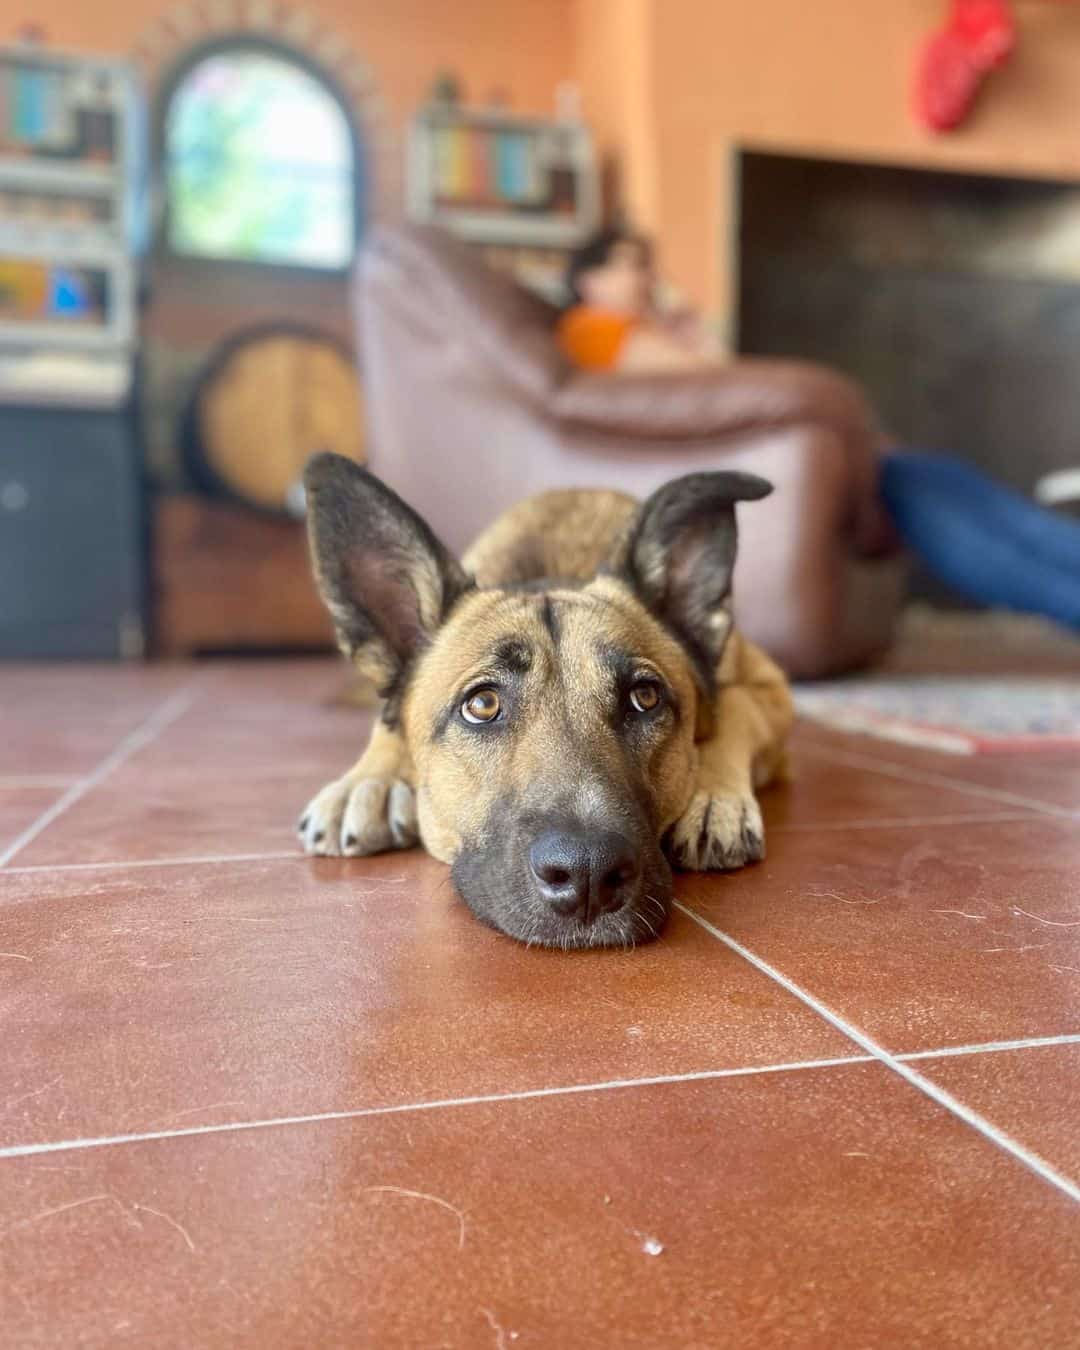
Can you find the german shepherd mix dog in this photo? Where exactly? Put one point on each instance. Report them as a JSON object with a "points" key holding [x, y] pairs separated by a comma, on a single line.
{"points": [[561, 709]]}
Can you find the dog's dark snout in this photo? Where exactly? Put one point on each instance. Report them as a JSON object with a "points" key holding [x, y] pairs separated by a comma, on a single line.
{"points": [[584, 873]]}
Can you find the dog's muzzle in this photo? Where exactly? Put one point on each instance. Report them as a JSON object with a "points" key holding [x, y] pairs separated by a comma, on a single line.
{"points": [[559, 882]]}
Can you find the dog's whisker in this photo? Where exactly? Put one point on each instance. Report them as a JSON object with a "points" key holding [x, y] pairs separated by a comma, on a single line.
{"points": [[658, 904]]}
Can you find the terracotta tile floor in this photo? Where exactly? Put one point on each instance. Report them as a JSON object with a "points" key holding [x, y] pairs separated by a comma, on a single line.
{"points": [[251, 1099]]}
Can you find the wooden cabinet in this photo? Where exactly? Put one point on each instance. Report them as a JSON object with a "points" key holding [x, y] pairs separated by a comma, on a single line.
{"points": [[229, 579]]}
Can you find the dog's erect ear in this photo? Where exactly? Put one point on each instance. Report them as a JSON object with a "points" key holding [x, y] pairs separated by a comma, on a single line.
{"points": [[679, 554], [386, 580]]}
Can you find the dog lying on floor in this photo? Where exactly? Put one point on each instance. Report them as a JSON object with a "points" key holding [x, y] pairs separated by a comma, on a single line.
{"points": [[561, 709]]}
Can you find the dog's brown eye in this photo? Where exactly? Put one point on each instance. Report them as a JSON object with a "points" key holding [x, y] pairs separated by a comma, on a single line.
{"points": [[645, 697], [481, 706]]}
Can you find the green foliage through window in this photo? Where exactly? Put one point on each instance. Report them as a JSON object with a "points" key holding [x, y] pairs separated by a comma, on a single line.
{"points": [[260, 164]]}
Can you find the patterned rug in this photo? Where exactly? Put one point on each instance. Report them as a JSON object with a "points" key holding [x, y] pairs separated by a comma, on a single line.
{"points": [[963, 715]]}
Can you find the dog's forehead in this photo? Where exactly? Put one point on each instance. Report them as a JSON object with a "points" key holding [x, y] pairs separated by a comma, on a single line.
{"points": [[540, 631], [558, 624]]}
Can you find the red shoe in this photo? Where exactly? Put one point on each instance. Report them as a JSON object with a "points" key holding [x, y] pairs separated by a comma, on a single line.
{"points": [[987, 28], [979, 36], [946, 82]]}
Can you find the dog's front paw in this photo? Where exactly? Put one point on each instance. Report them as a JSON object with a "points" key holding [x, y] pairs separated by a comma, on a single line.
{"points": [[353, 817], [718, 833]]}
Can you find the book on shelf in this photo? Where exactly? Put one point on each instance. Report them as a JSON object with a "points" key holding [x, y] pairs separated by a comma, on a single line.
{"points": [[481, 166], [496, 178]]}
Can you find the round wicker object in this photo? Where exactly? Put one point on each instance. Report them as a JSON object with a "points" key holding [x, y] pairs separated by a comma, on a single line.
{"points": [[267, 401]]}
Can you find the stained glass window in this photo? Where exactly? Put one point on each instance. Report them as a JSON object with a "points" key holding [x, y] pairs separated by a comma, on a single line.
{"points": [[259, 164]]}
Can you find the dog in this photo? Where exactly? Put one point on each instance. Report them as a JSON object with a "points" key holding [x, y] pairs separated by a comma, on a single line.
{"points": [[566, 712]]}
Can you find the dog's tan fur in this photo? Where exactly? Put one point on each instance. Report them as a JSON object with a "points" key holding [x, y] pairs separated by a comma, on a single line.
{"points": [[410, 785]]}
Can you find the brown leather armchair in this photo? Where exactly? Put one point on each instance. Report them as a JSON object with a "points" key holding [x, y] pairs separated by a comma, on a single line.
{"points": [[472, 407]]}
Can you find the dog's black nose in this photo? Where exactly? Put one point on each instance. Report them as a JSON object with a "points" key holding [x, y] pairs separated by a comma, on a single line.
{"points": [[584, 874]]}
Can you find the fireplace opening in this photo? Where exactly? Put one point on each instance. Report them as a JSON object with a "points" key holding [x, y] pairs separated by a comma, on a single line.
{"points": [[954, 299]]}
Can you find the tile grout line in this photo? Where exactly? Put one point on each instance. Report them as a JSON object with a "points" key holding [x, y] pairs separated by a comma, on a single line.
{"points": [[993, 1047], [525, 1094], [364, 1112], [856, 760], [207, 859], [146, 731], [980, 1124], [910, 822]]}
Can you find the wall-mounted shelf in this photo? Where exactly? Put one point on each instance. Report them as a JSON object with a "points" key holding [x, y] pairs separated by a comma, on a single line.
{"points": [[503, 181], [520, 232], [46, 175]]}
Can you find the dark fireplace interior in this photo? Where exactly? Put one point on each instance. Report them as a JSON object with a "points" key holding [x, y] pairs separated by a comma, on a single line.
{"points": [[953, 299]]}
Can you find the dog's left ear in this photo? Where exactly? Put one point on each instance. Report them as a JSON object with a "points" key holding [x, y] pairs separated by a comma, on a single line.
{"points": [[679, 554], [386, 580]]}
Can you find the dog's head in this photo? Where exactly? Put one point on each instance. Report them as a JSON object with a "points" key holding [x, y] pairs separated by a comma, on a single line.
{"points": [[552, 729]]}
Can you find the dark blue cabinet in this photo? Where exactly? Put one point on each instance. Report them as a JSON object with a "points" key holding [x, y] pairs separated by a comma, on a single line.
{"points": [[72, 550]]}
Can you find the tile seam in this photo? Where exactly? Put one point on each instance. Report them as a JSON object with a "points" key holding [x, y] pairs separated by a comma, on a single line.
{"points": [[143, 734], [889, 769], [1031, 1160], [526, 1094]]}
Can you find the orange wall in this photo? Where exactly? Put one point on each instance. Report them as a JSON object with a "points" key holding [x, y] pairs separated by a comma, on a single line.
{"points": [[613, 54], [812, 76], [524, 46]]}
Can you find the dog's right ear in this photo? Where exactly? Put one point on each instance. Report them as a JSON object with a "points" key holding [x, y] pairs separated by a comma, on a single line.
{"points": [[386, 580]]}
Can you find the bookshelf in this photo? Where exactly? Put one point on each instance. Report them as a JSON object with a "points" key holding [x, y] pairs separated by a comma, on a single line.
{"points": [[71, 203], [525, 189]]}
